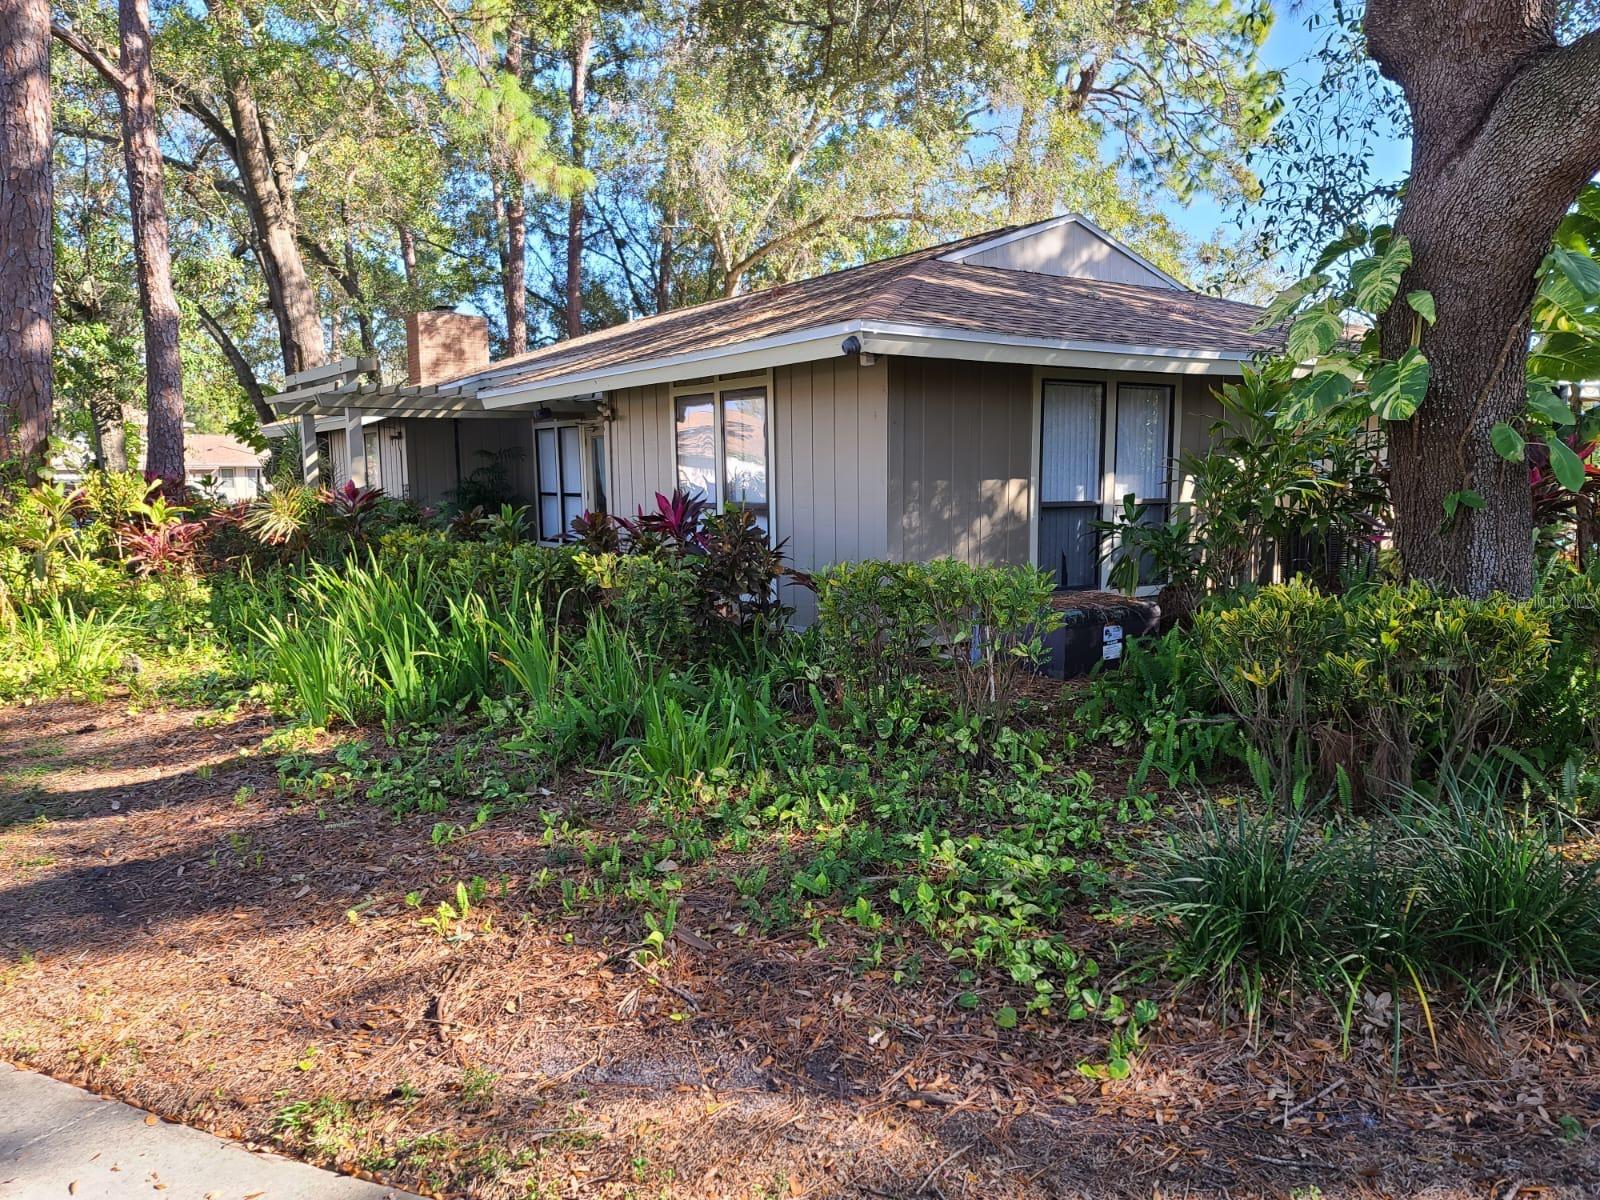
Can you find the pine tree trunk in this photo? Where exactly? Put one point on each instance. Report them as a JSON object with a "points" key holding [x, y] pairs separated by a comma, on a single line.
{"points": [[514, 279], [1506, 130], [516, 272], [577, 100], [27, 261], [157, 301], [669, 224]]}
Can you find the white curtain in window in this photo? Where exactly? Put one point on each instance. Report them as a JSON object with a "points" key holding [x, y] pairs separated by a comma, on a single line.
{"points": [[571, 476], [550, 524], [1144, 414], [1069, 444]]}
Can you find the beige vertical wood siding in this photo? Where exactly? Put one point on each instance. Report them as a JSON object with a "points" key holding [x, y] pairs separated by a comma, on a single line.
{"points": [[829, 447], [338, 460], [829, 453], [960, 445], [639, 446]]}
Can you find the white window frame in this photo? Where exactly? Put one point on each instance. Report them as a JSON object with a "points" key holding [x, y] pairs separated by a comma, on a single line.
{"points": [[561, 492], [714, 387]]}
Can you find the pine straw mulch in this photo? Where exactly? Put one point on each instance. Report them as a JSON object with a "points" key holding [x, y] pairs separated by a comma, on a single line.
{"points": [[175, 932]]}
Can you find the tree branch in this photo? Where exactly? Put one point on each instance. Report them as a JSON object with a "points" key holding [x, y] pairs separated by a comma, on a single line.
{"points": [[93, 55], [240, 365]]}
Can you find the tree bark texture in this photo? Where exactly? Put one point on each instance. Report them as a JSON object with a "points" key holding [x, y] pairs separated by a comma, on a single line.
{"points": [[577, 101], [27, 261], [514, 210], [1506, 130], [288, 287], [158, 303]]}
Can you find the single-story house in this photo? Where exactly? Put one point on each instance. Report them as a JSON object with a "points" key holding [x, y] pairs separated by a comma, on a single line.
{"points": [[987, 398], [236, 471]]}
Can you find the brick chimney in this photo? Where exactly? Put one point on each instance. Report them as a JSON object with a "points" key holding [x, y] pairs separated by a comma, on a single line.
{"points": [[442, 344]]}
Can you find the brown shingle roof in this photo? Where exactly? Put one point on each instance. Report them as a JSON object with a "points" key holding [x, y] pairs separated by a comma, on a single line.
{"points": [[915, 288], [212, 451]]}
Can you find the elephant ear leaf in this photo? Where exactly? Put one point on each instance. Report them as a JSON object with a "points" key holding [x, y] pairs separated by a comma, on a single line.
{"points": [[1397, 388], [1566, 465]]}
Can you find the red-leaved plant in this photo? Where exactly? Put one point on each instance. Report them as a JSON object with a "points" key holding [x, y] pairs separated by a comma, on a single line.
{"points": [[674, 525]]}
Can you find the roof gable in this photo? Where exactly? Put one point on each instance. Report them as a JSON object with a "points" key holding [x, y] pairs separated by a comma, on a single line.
{"points": [[1071, 246]]}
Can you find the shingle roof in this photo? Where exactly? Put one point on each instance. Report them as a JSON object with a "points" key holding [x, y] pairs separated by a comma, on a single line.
{"points": [[211, 451], [916, 288]]}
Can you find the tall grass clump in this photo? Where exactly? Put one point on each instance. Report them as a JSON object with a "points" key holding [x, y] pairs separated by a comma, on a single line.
{"points": [[53, 647], [1459, 896], [1244, 900], [385, 638]]}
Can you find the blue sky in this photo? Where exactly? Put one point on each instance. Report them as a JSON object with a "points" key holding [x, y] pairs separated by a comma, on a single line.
{"points": [[1290, 47]]}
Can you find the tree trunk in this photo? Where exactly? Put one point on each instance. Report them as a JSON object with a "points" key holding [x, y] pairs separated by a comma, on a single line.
{"points": [[577, 100], [516, 273], [27, 260], [110, 436], [669, 223], [408, 256], [157, 301], [513, 208], [239, 364], [288, 287], [1506, 130]]}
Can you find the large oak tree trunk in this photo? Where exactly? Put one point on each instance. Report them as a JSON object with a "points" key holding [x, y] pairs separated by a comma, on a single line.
{"points": [[577, 102], [1506, 130], [157, 301], [27, 262], [288, 287]]}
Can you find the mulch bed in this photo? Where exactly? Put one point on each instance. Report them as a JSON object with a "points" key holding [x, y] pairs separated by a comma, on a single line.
{"points": [[178, 932]]}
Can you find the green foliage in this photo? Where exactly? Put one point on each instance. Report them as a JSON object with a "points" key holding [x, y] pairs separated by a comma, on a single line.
{"points": [[1455, 893], [1389, 685], [984, 625], [1280, 477]]}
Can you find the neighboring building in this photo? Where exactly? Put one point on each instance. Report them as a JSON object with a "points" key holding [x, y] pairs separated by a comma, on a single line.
{"points": [[236, 470], [988, 399]]}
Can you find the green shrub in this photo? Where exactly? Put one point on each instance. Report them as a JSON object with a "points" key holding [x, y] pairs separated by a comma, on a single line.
{"points": [[1385, 686], [650, 596], [985, 625]]}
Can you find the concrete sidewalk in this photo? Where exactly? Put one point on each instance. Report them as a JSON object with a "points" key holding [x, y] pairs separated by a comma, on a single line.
{"points": [[57, 1140]]}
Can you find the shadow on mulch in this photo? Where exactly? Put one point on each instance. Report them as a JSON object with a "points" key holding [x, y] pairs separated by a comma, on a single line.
{"points": [[219, 956]]}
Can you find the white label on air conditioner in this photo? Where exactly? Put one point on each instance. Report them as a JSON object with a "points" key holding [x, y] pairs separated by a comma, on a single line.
{"points": [[1111, 636]]}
